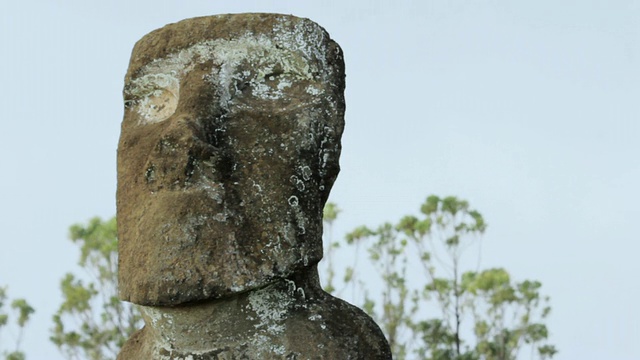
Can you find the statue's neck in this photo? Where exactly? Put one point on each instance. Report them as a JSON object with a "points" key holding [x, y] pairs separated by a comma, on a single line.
{"points": [[207, 326]]}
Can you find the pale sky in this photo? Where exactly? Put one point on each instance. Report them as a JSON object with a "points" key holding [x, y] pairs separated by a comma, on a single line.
{"points": [[528, 109]]}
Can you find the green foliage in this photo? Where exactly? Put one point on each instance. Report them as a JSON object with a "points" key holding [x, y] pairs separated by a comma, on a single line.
{"points": [[92, 323], [330, 213], [22, 310], [506, 315]]}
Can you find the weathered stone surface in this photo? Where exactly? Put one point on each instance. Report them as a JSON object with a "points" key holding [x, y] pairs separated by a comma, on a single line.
{"points": [[229, 148], [289, 319]]}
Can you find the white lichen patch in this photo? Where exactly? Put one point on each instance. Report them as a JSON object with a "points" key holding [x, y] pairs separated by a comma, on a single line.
{"points": [[162, 325], [313, 90], [271, 307], [273, 247], [157, 95], [297, 182], [294, 54], [319, 319], [293, 200], [306, 172], [274, 67]]}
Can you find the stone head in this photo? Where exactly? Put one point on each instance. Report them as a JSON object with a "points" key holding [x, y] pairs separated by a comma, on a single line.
{"points": [[229, 148]]}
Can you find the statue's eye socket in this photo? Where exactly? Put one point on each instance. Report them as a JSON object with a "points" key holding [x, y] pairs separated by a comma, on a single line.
{"points": [[153, 97], [158, 105]]}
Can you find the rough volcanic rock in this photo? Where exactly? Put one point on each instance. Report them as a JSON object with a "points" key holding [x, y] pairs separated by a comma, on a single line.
{"points": [[229, 148], [288, 319]]}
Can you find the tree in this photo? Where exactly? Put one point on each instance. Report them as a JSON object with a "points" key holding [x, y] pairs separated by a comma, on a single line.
{"points": [[23, 311], [92, 323], [423, 313]]}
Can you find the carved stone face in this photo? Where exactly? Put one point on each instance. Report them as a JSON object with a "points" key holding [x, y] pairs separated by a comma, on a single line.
{"points": [[229, 147]]}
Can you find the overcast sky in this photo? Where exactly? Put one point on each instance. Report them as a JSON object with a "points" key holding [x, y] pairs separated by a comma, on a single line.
{"points": [[530, 111]]}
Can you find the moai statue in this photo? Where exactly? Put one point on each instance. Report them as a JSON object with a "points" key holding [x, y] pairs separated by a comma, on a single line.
{"points": [[229, 148]]}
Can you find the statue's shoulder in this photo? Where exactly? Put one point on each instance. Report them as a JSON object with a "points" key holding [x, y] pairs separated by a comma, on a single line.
{"points": [[336, 328]]}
